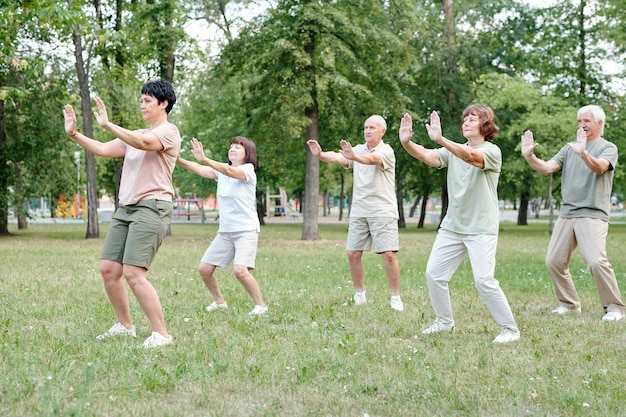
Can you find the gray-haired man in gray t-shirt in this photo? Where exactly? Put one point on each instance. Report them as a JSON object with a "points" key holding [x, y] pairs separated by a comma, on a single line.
{"points": [[587, 167]]}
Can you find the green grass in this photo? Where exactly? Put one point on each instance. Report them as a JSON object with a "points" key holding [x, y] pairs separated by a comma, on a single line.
{"points": [[314, 354]]}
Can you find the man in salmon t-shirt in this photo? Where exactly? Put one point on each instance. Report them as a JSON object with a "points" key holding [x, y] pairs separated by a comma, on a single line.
{"points": [[141, 220]]}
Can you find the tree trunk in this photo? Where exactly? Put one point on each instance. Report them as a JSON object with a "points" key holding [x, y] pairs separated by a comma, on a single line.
{"points": [[522, 214], [20, 206], [312, 169], [93, 228], [4, 174], [420, 224], [444, 201], [342, 195], [399, 190], [414, 207], [311, 184], [260, 207]]}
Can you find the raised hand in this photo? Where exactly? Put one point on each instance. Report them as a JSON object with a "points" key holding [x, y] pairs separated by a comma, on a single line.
{"points": [[70, 120], [314, 147], [581, 142], [528, 144], [434, 128], [101, 115], [197, 150], [406, 128], [346, 150]]}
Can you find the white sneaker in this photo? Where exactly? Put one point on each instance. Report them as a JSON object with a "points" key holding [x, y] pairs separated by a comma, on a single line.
{"points": [[562, 310], [214, 306], [359, 298], [613, 316], [396, 303], [258, 310], [117, 329], [438, 327], [156, 340], [507, 336]]}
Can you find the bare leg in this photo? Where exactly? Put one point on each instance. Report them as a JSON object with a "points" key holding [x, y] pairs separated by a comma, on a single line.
{"points": [[393, 271], [356, 270], [116, 290], [146, 296], [206, 272], [249, 283]]}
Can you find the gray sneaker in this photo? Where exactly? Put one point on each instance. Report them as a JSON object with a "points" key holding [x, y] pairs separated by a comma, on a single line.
{"points": [[359, 298], [507, 336], [214, 306], [562, 310], [117, 330], [156, 340], [258, 310], [438, 327], [396, 303], [613, 316]]}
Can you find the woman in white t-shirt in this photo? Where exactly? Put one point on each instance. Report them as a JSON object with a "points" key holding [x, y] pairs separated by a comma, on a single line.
{"points": [[237, 237]]}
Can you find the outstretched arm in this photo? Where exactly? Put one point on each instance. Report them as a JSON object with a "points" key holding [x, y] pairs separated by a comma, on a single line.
{"points": [[147, 141], [331, 157], [539, 165], [111, 149], [466, 153], [366, 159], [428, 156], [196, 168], [221, 167]]}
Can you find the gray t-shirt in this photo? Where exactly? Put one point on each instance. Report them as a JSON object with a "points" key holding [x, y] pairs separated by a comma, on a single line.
{"points": [[472, 192], [374, 190], [583, 193]]}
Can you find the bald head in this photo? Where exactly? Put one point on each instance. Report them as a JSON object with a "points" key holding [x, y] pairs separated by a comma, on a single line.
{"points": [[373, 129]]}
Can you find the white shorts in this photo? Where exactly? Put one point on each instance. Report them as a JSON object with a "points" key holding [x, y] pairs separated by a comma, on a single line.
{"points": [[237, 247]]}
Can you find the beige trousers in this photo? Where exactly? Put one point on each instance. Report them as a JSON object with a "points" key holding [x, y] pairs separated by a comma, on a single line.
{"points": [[589, 235]]}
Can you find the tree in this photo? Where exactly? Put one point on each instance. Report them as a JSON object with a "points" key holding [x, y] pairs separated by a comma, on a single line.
{"points": [[315, 70], [27, 104]]}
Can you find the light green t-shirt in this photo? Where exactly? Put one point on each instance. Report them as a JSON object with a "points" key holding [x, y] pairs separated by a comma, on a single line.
{"points": [[472, 192], [583, 193], [374, 188]]}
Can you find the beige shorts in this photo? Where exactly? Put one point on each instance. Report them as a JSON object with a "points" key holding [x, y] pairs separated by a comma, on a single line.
{"points": [[237, 247], [382, 231]]}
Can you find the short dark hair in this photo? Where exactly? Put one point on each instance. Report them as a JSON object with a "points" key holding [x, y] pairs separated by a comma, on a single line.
{"points": [[250, 149], [162, 91], [487, 120]]}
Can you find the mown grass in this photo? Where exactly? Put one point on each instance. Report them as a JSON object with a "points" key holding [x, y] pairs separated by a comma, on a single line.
{"points": [[314, 354]]}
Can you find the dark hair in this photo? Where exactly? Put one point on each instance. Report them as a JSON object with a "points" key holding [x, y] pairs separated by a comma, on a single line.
{"points": [[486, 117], [250, 149], [161, 90]]}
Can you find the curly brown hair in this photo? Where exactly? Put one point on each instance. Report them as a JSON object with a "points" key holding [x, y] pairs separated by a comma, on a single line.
{"points": [[486, 117]]}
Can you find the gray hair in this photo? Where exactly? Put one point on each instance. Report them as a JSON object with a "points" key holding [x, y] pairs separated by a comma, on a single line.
{"points": [[380, 120], [598, 114]]}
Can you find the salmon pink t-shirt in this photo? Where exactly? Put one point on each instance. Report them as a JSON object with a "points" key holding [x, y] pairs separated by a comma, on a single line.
{"points": [[148, 174]]}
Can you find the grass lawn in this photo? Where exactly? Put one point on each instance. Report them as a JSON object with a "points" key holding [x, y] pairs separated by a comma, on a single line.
{"points": [[314, 353]]}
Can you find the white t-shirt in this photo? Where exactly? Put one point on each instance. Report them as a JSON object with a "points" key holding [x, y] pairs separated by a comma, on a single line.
{"points": [[236, 201]]}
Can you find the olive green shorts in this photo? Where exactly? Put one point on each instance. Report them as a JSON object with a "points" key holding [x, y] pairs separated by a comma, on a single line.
{"points": [[136, 232]]}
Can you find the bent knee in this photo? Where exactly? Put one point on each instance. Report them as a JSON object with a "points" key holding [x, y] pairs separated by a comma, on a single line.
{"points": [[240, 271]]}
